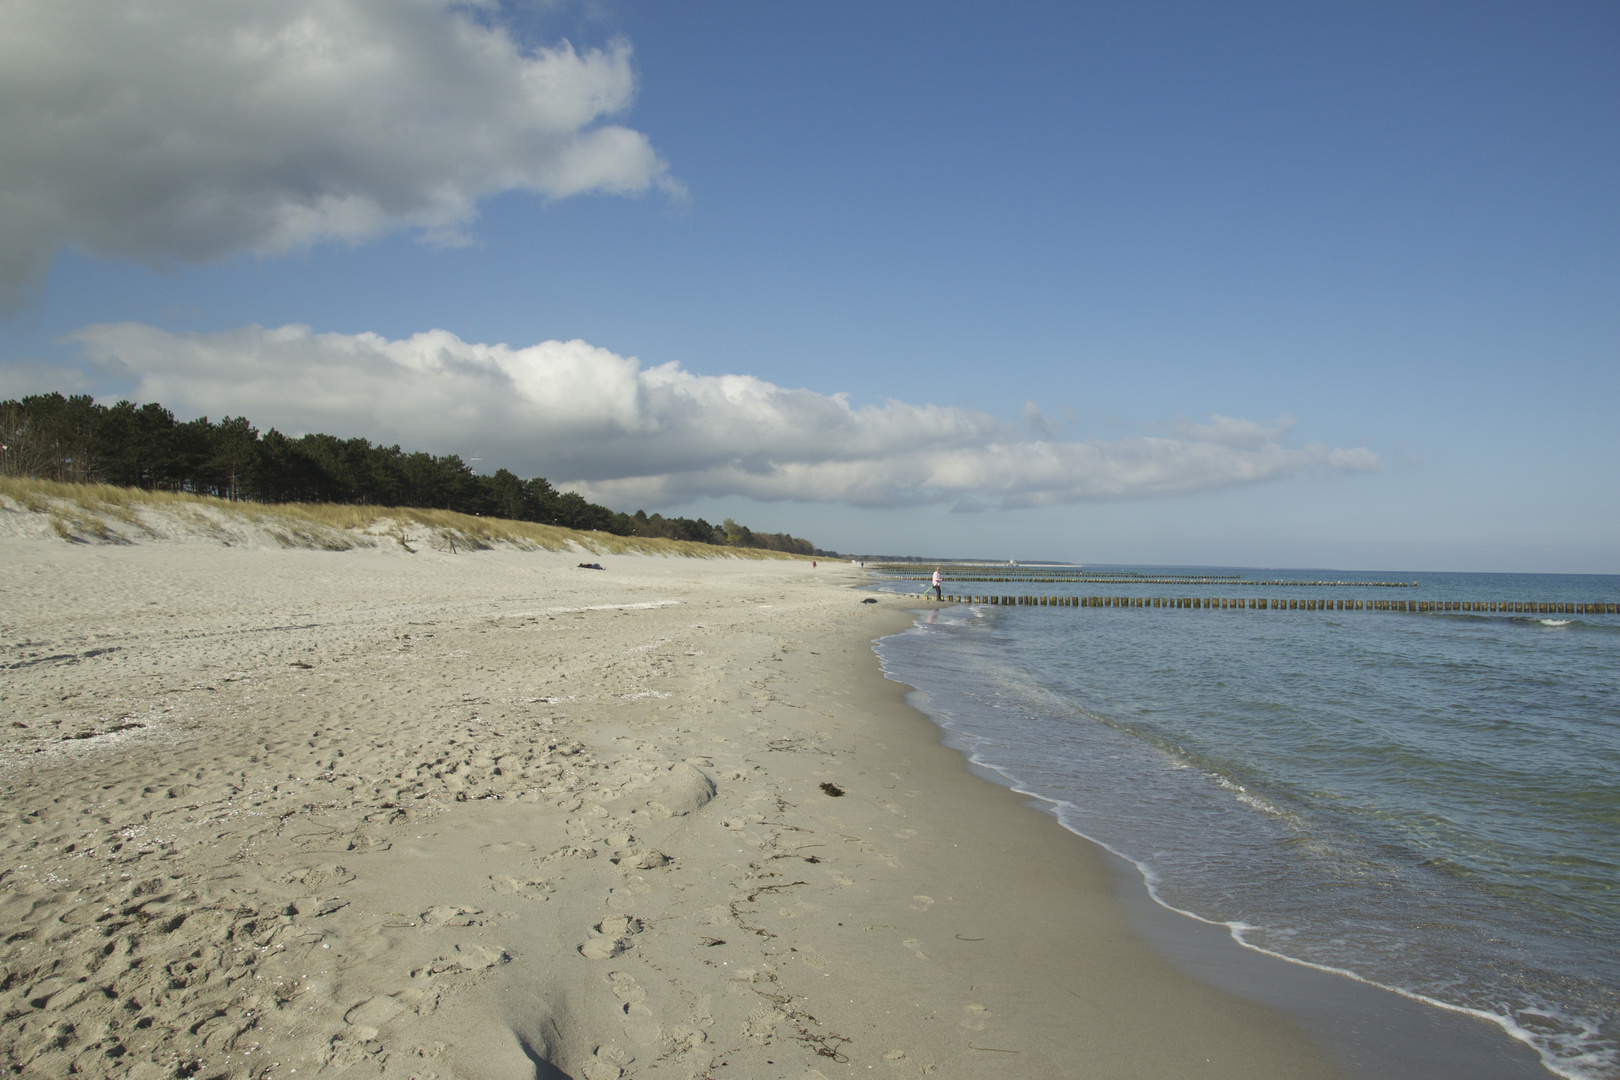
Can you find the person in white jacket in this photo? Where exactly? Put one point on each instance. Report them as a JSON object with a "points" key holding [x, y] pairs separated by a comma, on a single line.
{"points": [[938, 595]]}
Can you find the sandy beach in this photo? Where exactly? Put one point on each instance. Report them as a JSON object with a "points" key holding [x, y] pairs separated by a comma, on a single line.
{"points": [[379, 813]]}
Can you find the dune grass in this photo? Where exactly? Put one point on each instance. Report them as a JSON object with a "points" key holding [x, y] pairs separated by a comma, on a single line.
{"points": [[88, 511]]}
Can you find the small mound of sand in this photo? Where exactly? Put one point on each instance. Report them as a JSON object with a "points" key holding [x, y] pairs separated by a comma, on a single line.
{"points": [[681, 790]]}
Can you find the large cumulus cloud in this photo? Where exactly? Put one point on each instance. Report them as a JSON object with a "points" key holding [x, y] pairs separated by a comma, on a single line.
{"points": [[624, 433], [184, 130]]}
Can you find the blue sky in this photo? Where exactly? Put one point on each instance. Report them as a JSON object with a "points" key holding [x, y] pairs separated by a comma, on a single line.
{"points": [[1292, 285]]}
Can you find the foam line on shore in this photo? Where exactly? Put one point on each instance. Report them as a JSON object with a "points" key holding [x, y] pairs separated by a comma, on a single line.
{"points": [[1148, 880]]}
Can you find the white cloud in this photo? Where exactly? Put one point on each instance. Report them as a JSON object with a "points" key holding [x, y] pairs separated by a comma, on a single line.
{"points": [[184, 130], [1231, 432], [1037, 421], [630, 435]]}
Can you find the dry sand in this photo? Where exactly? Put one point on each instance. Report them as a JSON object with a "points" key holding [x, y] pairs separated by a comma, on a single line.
{"points": [[370, 813]]}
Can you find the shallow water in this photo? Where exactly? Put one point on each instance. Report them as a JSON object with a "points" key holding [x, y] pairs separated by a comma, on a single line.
{"points": [[1429, 802]]}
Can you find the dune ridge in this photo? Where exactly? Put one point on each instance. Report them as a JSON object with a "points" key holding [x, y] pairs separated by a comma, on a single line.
{"points": [[105, 514]]}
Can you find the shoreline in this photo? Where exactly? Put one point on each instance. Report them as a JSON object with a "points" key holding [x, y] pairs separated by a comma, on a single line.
{"points": [[376, 814], [1369, 1029]]}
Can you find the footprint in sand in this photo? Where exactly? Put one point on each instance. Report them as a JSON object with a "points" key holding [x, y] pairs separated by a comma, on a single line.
{"points": [[447, 915], [639, 1024], [974, 1017], [640, 859], [606, 1063], [619, 925], [318, 878], [525, 888], [313, 907], [642, 1027], [371, 1014], [466, 958], [915, 946], [703, 1011], [610, 937], [760, 1027], [626, 989], [624, 898], [682, 1039], [573, 851], [812, 959], [921, 903], [601, 948]]}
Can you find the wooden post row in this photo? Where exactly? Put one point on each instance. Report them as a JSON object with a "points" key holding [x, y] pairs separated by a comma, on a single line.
{"points": [[1274, 604]]}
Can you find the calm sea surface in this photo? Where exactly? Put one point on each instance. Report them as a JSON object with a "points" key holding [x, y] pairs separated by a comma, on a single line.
{"points": [[1429, 802]]}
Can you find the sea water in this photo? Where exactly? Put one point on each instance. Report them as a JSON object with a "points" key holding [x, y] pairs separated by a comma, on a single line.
{"points": [[1427, 802]]}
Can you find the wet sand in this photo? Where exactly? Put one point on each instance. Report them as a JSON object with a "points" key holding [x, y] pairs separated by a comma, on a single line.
{"points": [[370, 813]]}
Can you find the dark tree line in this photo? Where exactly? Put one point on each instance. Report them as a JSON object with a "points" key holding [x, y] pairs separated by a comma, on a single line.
{"points": [[73, 439]]}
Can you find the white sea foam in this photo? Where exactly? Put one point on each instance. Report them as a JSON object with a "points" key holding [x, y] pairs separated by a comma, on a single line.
{"points": [[1564, 1054]]}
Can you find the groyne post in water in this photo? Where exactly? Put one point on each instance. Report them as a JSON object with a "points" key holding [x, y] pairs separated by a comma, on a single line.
{"points": [[1263, 603]]}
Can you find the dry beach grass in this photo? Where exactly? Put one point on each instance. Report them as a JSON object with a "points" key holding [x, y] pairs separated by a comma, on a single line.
{"points": [[106, 514], [388, 811]]}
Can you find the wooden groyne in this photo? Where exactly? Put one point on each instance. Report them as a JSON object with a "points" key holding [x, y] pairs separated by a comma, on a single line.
{"points": [[1262, 603]]}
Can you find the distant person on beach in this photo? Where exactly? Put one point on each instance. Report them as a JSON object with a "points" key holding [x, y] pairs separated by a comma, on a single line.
{"points": [[938, 595]]}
